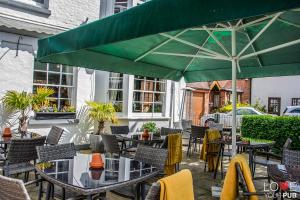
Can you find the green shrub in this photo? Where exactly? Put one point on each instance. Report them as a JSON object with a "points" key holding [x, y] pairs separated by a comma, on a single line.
{"points": [[273, 128]]}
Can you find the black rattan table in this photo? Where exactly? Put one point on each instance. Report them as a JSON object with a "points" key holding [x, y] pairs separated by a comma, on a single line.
{"points": [[76, 176]]}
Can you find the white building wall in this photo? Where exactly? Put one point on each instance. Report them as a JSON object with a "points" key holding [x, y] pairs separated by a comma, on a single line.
{"points": [[285, 87], [64, 13]]}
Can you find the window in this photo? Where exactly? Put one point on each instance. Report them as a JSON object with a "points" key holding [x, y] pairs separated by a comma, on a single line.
{"points": [[295, 101], [57, 77], [274, 104], [148, 94], [120, 6], [216, 100], [115, 91], [245, 112]]}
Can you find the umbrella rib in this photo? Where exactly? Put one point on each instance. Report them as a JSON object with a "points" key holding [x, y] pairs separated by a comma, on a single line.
{"points": [[259, 33], [160, 45], [217, 41], [289, 23], [274, 48], [254, 22], [194, 45], [258, 58], [190, 55], [192, 60]]}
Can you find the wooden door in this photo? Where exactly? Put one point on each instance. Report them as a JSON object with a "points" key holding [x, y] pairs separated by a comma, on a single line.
{"points": [[197, 106]]}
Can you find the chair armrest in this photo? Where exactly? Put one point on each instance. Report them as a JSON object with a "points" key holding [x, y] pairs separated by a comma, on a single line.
{"points": [[33, 182]]}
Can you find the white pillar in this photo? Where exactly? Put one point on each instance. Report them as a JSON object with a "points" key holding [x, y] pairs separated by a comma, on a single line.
{"points": [[234, 65]]}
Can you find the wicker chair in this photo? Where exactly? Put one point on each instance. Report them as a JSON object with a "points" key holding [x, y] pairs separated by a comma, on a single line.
{"points": [[196, 136], [20, 154], [154, 192], [12, 189], [120, 130], [166, 131], [291, 157], [155, 157], [54, 135], [242, 182], [55, 152], [112, 146], [265, 161]]}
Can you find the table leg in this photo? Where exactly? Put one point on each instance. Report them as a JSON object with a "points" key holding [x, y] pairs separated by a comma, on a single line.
{"points": [[251, 160]]}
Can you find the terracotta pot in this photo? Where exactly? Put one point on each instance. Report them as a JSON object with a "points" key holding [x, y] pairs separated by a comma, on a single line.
{"points": [[6, 132], [97, 162], [96, 174], [145, 135]]}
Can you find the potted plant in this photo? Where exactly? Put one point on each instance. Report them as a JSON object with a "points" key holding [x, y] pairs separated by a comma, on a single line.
{"points": [[149, 127], [19, 102], [100, 113], [43, 110]]}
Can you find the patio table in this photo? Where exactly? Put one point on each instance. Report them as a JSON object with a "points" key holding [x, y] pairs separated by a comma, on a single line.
{"points": [[252, 147], [76, 176]]}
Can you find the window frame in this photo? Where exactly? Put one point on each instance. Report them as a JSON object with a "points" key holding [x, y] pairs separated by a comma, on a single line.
{"points": [[153, 92], [118, 89], [71, 99], [279, 105], [297, 100]]}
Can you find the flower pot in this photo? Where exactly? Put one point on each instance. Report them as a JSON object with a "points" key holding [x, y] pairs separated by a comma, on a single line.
{"points": [[96, 144], [6, 132], [54, 115], [97, 162], [146, 134]]}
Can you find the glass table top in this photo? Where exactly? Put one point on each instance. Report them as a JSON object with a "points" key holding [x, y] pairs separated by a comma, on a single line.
{"points": [[76, 171]]}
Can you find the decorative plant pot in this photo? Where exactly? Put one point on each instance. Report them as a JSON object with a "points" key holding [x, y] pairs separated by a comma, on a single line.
{"points": [[96, 144], [54, 115], [6, 132], [146, 134]]}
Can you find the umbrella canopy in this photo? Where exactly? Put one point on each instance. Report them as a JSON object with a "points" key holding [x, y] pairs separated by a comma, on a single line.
{"points": [[191, 38], [200, 40]]}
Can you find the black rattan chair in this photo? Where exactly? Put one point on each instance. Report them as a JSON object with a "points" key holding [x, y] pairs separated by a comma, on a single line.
{"points": [[120, 130], [20, 154], [196, 137], [154, 192], [112, 146], [54, 135], [291, 157], [55, 152], [166, 131]]}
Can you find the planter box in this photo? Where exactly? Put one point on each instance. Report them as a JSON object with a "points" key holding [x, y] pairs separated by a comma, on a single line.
{"points": [[54, 115]]}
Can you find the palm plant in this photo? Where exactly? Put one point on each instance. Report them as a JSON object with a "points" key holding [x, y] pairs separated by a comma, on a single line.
{"points": [[39, 99], [102, 112], [19, 102]]}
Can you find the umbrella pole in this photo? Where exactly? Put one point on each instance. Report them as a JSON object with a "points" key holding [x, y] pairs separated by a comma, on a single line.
{"points": [[234, 66]]}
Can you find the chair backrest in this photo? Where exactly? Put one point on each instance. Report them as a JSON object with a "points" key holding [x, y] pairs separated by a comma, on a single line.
{"points": [[119, 129], [111, 144], [287, 143], [24, 150], [12, 189], [167, 131], [56, 152], [154, 192], [153, 156], [177, 125], [216, 126], [198, 131], [291, 157], [54, 135]]}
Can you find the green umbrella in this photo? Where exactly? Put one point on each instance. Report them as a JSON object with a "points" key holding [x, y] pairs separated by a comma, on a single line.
{"points": [[200, 40]]}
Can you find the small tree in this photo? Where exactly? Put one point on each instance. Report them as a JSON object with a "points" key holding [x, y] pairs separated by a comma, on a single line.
{"points": [[102, 112], [19, 102]]}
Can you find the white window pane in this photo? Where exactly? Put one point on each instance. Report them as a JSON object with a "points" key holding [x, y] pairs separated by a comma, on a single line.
{"points": [[53, 79], [67, 79], [40, 77], [54, 67]]}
